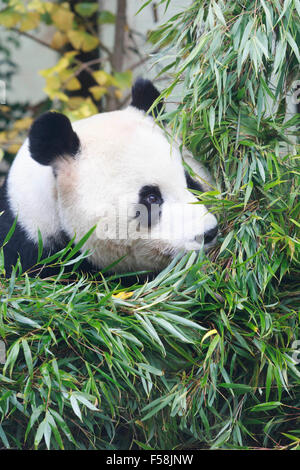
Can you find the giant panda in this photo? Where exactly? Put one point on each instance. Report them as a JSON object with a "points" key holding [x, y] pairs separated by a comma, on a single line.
{"points": [[118, 172]]}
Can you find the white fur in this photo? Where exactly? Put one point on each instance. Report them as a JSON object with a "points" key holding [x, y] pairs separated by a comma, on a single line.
{"points": [[33, 196], [121, 151]]}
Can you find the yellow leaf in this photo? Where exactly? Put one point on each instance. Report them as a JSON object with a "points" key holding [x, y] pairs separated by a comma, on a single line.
{"points": [[208, 334], [23, 124], [18, 5], [82, 40], [13, 148], [90, 42], [75, 38], [53, 82], [12, 134], [63, 19], [102, 78], [98, 91], [3, 137], [36, 5], [75, 102], [65, 74], [61, 65], [70, 55], [55, 94], [86, 109], [59, 40], [73, 84], [4, 108], [123, 295], [69, 81], [50, 7], [30, 21], [9, 18], [66, 5]]}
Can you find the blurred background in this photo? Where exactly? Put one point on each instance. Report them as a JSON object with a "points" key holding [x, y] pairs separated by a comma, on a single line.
{"points": [[76, 57]]}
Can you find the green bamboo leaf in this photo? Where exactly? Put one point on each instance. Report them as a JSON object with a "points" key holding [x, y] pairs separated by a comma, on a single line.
{"points": [[84, 399], [75, 406], [248, 192], [163, 402], [10, 232], [150, 369], [23, 320], [212, 119], [269, 380], [246, 35], [293, 45], [4, 438], [297, 6], [266, 406], [40, 246], [43, 430], [183, 321], [171, 329], [28, 357], [218, 13], [63, 425], [80, 244], [240, 388], [280, 55], [226, 241], [268, 15], [11, 358], [215, 341]]}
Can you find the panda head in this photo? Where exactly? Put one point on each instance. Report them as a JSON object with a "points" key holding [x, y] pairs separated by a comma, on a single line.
{"points": [[119, 172]]}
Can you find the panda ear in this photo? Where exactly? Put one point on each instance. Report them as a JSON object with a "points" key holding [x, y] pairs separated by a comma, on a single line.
{"points": [[144, 95], [51, 136]]}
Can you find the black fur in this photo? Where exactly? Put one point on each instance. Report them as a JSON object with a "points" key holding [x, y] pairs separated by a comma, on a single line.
{"points": [[153, 209], [144, 95], [51, 136], [192, 184], [19, 245]]}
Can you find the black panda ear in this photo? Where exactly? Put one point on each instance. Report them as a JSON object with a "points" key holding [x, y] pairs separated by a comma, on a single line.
{"points": [[144, 94], [51, 136]]}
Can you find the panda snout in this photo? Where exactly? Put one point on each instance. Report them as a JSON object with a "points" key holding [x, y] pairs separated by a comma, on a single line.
{"points": [[209, 235]]}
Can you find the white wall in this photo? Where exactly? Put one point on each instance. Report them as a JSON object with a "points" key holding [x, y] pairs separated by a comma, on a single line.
{"points": [[27, 84]]}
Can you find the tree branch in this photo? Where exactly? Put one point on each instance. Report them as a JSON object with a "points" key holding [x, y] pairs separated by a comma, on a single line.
{"points": [[118, 53], [35, 38]]}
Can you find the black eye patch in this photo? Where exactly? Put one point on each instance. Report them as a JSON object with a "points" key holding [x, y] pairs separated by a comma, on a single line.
{"points": [[192, 184], [150, 197]]}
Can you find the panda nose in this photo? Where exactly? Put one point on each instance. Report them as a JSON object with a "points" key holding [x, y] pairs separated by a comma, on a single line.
{"points": [[210, 234]]}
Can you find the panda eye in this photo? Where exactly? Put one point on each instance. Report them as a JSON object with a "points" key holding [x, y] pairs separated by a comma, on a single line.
{"points": [[150, 195], [152, 199]]}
